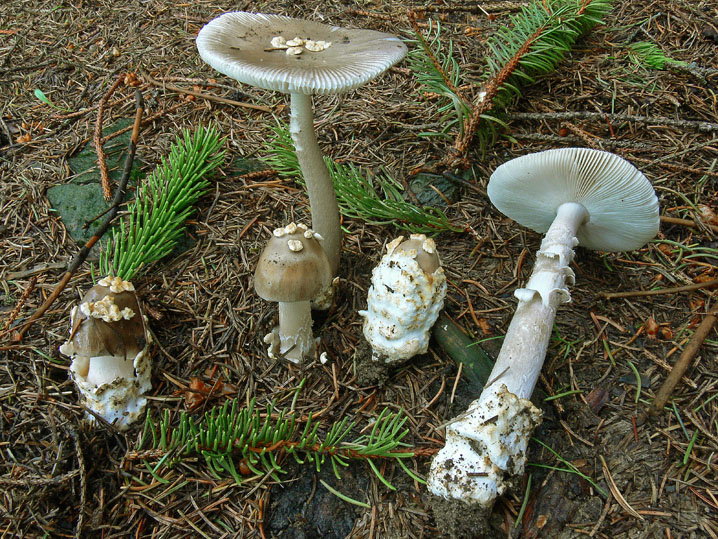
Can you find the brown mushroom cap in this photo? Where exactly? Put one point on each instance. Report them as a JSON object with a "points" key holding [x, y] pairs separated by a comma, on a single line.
{"points": [[426, 255], [287, 272], [95, 337]]}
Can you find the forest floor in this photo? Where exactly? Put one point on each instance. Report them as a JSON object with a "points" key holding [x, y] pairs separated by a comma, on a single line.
{"points": [[628, 476]]}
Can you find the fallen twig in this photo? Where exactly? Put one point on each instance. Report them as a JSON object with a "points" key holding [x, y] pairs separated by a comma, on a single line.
{"points": [[101, 162], [689, 352], [27, 482], [616, 493], [675, 290], [203, 95], [144, 122], [703, 127], [20, 303], [82, 254], [687, 222], [78, 113], [434, 60]]}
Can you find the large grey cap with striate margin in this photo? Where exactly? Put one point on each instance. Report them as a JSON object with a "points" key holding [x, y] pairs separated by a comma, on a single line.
{"points": [[622, 205], [239, 44]]}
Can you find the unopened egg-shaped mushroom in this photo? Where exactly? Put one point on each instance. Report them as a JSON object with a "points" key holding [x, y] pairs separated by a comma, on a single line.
{"points": [[406, 294], [108, 344]]}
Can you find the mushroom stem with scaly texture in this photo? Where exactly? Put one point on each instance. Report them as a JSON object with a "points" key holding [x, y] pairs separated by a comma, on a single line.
{"points": [[574, 195]]}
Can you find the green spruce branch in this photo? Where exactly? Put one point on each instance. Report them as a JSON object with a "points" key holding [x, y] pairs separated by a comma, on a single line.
{"points": [[439, 74], [156, 219], [533, 44], [650, 56], [375, 199], [240, 442]]}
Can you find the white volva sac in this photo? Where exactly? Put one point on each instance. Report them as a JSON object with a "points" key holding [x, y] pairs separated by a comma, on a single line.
{"points": [[406, 294], [109, 346], [485, 448], [574, 195]]}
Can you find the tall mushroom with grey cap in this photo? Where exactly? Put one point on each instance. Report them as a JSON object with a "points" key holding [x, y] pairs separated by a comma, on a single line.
{"points": [[109, 346], [291, 270], [576, 196], [301, 58]]}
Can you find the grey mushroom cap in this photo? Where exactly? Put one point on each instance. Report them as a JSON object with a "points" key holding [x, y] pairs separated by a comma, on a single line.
{"points": [[238, 44], [622, 205], [292, 267]]}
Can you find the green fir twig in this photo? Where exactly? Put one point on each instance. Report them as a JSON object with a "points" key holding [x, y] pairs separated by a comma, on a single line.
{"points": [[439, 74], [156, 219], [239, 442], [375, 199], [650, 56], [533, 44]]}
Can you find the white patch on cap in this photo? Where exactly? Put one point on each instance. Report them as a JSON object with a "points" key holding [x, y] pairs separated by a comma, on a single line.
{"points": [[316, 46], [116, 285], [278, 42], [429, 245], [295, 245], [296, 42], [106, 310]]}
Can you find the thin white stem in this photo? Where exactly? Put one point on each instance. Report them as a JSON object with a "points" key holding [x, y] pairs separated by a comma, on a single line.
{"points": [[295, 330], [104, 369], [524, 349], [320, 188]]}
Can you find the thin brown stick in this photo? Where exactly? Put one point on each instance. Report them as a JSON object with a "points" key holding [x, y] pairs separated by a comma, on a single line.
{"points": [[687, 222], [485, 100], [675, 290], [20, 303], [703, 127], [144, 122], [101, 160], [82, 253], [203, 95], [77, 113], [35, 481], [620, 146], [679, 369]]}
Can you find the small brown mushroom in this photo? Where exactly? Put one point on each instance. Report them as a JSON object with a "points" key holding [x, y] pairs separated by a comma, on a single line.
{"points": [[291, 270]]}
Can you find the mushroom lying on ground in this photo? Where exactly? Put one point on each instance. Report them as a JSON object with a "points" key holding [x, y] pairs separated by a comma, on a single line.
{"points": [[108, 344], [577, 196], [406, 294], [300, 58], [291, 270]]}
